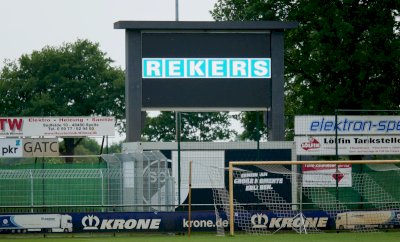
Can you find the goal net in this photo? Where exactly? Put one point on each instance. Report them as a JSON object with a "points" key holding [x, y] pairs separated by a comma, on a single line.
{"points": [[309, 196]]}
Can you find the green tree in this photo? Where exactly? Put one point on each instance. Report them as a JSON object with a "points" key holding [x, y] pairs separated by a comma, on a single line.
{"points": [[194, 127], [86, 147], [115, 148], [253, 124], [75, 79], [344, 54]]}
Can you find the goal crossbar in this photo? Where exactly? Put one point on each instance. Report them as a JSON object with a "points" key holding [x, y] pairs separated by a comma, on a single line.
{"points": [[233, 164]]}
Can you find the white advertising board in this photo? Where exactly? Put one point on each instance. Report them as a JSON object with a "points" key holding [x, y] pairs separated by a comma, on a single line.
{"points": [[57, 126], [326, 175], [347, 125], [348, 145]]}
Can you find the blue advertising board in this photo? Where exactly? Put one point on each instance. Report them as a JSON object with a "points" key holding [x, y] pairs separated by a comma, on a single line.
{"points": [[178, 221], [158, 221]]}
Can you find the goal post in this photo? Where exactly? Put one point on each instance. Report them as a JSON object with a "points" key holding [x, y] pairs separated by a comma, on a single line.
{"points": [[377, 190]]}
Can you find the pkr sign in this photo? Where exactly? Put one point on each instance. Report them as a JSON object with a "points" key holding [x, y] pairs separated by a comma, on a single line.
{"points": [[10, 148]]}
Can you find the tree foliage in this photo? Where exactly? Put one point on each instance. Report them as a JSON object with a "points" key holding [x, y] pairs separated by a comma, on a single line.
{"points": [[194, 127], [75, 79], [253, 124], [344, 54]]}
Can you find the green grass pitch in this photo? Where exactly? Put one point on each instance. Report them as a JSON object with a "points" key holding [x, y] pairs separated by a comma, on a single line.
{"points": [[325, 237]]}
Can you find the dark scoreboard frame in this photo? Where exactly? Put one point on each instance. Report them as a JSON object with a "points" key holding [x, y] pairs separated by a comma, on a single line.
{"points": [[156, 39]]}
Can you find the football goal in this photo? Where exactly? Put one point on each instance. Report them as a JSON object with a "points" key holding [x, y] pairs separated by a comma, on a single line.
{"points": [[310, 196]]}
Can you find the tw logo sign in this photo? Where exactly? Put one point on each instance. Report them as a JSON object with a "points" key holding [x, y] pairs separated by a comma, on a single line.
{"points": [[11, 126]]}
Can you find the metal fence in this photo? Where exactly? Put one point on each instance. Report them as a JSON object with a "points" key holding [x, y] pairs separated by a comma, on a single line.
{"points": [[129, 182], [151, 178]]}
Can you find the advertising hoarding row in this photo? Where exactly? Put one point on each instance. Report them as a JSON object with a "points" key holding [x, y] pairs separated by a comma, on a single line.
{"points": [[156, 222], [200, 221]]}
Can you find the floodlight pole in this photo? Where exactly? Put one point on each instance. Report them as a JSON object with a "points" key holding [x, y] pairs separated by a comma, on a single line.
{"points": [[178, 124], [176, 10]]}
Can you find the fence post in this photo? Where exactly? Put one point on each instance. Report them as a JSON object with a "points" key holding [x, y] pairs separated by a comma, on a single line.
{"points": [[31, 176], [102, 189]]}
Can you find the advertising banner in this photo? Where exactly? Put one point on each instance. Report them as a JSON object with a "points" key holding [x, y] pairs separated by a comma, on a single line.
{"points": [[40, 148], [348, 145], [10, 148], [326, 175], [57, 126], [248, 185], [259, 181], [347, 125], [158, 222], [13, 148]]}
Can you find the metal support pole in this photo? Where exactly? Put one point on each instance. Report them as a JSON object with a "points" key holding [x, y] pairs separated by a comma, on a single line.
{"points": [[337, 158], [31, 176], [176, 10], [102, 190], [190, 199], [178, 124], [231, 209], [178, 139], [158, 183], [258, 134]]}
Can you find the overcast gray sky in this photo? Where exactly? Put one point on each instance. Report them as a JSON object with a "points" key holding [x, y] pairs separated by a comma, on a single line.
{"points": [[27, 25]]}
